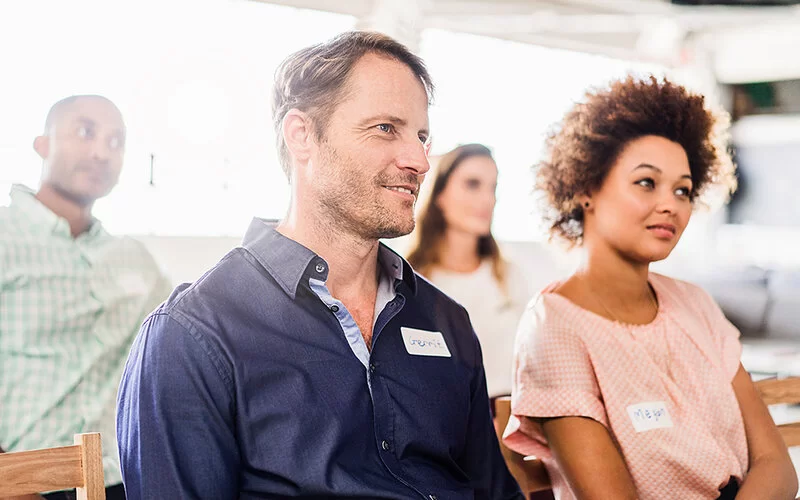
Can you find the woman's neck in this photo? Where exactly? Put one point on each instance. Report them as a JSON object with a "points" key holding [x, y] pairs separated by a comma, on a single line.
{"points": [[458, 252], [617, 284]]}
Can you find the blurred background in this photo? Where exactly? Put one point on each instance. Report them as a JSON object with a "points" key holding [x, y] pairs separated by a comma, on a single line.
{"points": [[192, 78]]}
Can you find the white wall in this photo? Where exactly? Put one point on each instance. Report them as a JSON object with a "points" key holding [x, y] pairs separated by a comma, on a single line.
{"points": [[184, 259]]}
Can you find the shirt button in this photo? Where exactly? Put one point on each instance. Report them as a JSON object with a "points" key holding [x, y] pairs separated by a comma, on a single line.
{"points": [[320, 267], [385, 445], [372, 367], [335, 308]]}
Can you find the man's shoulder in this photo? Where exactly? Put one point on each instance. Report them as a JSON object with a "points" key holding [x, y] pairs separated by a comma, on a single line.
{"points": [[428, 293], [229, 282], [10, 223], [15, 235]]}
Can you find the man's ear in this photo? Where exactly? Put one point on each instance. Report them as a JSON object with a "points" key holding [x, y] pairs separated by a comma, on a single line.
{"points": [[42, 146], [298, 134]]}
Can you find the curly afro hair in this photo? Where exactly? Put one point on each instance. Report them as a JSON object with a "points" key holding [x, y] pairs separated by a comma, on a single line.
{"points": [[583, 147]]}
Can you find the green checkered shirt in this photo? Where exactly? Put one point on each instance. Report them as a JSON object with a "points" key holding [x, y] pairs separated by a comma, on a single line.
{"points": [[69, 311]]}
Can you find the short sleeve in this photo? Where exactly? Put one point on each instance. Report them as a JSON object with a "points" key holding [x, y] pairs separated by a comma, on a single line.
{"points": [[553, 376], [724, 334]]}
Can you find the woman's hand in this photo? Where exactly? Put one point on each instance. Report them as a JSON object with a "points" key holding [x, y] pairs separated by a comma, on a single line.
{"points": [[771, 474]]}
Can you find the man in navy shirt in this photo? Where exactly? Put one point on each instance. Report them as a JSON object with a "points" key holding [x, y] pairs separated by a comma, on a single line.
{"points": [[312, 362]]}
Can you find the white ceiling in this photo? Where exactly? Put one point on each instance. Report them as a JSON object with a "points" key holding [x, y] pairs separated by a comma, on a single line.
{"points": [[742, 43]]}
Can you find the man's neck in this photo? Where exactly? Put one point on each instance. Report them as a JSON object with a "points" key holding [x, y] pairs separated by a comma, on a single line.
{"points": [[458, 251], [352, 261], [78, 216]]}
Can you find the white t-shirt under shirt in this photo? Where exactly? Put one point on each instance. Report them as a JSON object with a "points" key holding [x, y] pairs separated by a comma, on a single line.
{"points": [[494, 314]]}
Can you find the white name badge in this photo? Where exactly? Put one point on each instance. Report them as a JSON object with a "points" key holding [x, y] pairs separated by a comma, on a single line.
{"points": [[648, 416], [424, 343]]}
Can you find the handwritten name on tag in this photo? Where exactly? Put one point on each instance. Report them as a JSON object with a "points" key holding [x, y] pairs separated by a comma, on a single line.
{"points": [[424, 343], [648, 416]]}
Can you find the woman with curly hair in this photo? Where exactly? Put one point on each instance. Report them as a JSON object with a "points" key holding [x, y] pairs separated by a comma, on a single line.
{"points": [[628, 383]]}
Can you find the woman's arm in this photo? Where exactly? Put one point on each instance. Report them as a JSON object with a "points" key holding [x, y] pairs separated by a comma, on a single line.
{"points": [[771, 474], [588, 458]]}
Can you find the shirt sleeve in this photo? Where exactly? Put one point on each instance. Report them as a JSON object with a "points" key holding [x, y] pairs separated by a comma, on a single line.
{"points": [[482, 458], [553, 377], [175, 416], [723, 333]]}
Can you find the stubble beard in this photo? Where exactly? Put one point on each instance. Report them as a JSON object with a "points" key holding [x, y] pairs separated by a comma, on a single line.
{"points": [[355, 206]]}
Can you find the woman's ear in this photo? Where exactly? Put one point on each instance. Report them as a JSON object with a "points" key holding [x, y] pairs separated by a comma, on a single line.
{"points": [[586, 203]]}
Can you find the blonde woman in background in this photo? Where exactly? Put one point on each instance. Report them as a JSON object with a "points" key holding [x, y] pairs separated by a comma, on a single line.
{"points": [[454, 248]]}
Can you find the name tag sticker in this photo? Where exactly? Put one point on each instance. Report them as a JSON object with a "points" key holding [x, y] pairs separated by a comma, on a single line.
{"points": [[424, 343], [648, 416]]}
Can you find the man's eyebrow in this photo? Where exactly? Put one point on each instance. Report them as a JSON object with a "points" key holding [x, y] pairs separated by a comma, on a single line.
{"points": [[383, 118], [86, 121], [394, 120]]}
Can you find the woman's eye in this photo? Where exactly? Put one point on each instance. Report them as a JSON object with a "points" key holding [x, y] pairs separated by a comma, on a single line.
{"points": [[473, 184], [647, 183], [684, 192]]}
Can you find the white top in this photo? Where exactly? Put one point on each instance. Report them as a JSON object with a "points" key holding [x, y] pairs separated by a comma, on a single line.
{"points": [[494, 314]]}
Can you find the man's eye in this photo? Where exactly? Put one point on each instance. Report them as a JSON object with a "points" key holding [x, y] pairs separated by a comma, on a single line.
{"points": [[385, 127], [84, 132], [114, 143]]}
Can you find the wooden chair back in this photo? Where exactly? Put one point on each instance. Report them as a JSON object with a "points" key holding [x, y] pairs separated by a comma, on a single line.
{"points": [[776, 391], [529, 472], [79, 466]]}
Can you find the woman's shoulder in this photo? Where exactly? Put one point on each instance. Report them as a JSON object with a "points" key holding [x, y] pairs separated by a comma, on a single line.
{"points": [[680, 290], [547, 310]]}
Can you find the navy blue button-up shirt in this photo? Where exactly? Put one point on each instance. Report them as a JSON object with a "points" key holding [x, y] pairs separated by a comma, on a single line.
{"points": [[245, 384]]}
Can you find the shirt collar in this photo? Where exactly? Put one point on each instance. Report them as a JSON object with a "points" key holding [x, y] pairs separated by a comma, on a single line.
{"points": [[24, 199], [288, 261]]}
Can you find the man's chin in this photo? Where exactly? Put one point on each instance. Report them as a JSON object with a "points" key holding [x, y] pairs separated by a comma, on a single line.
{"points": [[389, 232]]}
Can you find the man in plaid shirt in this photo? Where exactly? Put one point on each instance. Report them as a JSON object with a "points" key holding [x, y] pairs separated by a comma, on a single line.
{"points": [[72, 296]]}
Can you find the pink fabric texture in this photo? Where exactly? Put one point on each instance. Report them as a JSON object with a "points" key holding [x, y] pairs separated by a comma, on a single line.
{"points": [[572, 362]]}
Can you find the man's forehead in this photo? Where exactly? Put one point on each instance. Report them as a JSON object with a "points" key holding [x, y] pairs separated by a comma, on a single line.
{"points": [[92, 111], [387, 86]]}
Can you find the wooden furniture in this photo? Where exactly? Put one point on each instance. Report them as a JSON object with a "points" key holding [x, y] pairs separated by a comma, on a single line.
{"points": [[79, 466], [530, 474], [782, 391]]}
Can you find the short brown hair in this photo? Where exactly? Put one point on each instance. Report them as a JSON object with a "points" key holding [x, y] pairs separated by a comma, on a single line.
{"points": [[587, 142], [313, 79]]}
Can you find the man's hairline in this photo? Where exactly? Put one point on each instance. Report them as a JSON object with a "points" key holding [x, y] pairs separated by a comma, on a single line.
{"points": [[345, 91], [57, 114]]}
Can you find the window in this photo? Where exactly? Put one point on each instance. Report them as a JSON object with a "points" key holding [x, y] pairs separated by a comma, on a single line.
{"points": [[506, 95], [192, 78]]}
